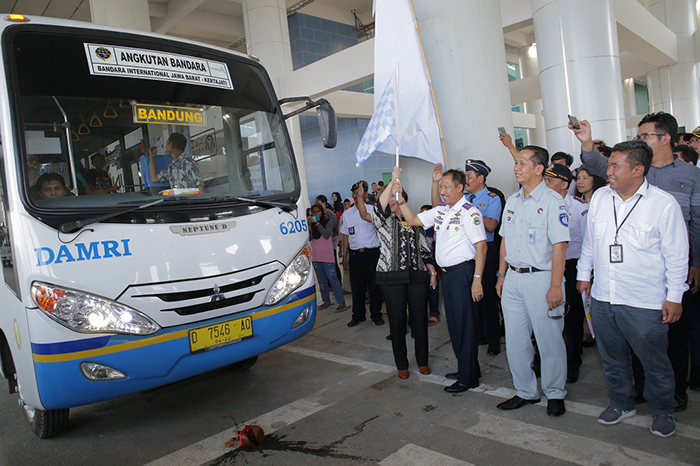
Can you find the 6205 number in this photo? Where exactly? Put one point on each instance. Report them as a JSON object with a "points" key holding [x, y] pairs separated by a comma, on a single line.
{"points": [[297, 226]]}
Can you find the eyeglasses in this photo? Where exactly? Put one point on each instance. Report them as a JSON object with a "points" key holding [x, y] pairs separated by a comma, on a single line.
{"points": [[558, 316], [644, 136]]}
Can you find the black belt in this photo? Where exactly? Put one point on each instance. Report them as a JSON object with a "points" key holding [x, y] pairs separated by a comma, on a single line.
{"points": [[363, 249], [526, 269], [455, 267]]}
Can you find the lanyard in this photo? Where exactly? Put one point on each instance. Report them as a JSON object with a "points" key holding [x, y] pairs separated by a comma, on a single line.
{"points": [[617, 228]]}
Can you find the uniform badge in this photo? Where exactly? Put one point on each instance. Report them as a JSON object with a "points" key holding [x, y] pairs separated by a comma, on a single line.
{"points": [[540, 210], [564, 219], [562, 207], [477, 221], [456, 228], [351, 230]]}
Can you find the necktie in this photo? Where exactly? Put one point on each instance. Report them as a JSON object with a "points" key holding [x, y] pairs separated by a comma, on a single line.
{"points": [[471, 198]]}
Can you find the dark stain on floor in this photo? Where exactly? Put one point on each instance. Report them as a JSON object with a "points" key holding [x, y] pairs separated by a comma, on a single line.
{"points": [[277, 443]]}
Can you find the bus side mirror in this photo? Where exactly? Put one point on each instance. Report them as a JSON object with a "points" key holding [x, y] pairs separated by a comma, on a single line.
{"points": [[327, 123]]}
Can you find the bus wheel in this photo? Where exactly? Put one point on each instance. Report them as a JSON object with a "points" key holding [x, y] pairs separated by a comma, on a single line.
{"points": [[244, 365], [46, 423]]}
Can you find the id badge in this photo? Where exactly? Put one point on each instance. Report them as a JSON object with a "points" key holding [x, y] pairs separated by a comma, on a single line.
{"points": [[531, 236], [615, 253]]}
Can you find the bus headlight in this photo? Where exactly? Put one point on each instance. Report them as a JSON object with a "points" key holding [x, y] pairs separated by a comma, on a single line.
{"points": [[88, 313], [292, 278]]}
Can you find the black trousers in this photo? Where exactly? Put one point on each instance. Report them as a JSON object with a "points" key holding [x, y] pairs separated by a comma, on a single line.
{"points": [[678, 352], [461, 312], [397, 297], [363, 270], [489, 314], [574, 320]]}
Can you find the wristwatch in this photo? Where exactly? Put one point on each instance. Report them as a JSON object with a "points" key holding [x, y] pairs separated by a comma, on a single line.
{"points": [[500, 274], [401, 202]]}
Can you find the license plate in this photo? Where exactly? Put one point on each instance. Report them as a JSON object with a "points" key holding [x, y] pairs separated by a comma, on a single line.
{"points": [[223, 333]]}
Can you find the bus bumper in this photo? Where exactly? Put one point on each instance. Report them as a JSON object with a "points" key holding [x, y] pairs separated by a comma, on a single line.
{"points": [[161, 358]]}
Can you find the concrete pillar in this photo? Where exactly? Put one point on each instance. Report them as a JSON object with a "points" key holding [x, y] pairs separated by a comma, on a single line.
{"points": [[468, 67], [579, 65], [267, 37], [130, 14], [630, 97], [528, 67], [674, 88]]}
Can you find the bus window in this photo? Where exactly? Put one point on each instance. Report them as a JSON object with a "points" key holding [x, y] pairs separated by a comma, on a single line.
{"points": [[101, 134]]}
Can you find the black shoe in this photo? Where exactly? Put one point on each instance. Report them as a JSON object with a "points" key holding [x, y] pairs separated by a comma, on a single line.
{"points": [[355, 321], [378, 321], [452, 375], [494, 350], [681, 402], [555, 407], [516, 403], [572, 376], [639, 399], [459, 388], [388, 337]]}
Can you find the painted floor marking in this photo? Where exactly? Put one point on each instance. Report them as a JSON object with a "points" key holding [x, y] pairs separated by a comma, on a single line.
{"points": [[562, 445], [643, 421], [413, 455]]}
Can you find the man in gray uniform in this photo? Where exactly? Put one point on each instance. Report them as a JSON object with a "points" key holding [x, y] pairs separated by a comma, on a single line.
{"points": [[535, 233]]}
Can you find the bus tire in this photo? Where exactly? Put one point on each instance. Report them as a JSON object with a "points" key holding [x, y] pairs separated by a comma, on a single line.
{"points": [[244, 365], [46, 423]]}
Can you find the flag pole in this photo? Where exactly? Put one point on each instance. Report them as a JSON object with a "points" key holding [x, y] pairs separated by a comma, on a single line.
{"points": [[430, 83], [398, 85]]}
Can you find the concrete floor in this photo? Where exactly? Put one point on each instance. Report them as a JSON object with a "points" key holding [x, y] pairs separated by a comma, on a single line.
{"points": [[333, 397]]}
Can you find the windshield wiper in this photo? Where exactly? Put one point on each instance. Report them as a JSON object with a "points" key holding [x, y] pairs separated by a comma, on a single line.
{"points": [[286, 206], [72, 227]]}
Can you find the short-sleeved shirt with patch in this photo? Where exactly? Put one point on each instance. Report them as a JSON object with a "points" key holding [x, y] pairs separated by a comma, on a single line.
{"points": [[183, 173], [457, 229], [532, 225], [578, 208], [489, 204]]}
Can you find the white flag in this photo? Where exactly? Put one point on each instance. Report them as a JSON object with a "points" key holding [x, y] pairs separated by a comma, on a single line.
{"points": [[382, 125], [396, 42]]}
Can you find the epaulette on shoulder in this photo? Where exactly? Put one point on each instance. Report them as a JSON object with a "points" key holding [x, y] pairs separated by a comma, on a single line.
{"points": [[467, 205], [493, 194], [580, 200]]}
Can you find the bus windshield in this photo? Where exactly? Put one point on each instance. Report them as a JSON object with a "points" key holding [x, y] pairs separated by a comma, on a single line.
{"points": [[107, 119]]}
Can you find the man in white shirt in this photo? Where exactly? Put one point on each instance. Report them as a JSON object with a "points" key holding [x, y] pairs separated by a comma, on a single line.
{"points": [[636, 243], [361, 254], [460, 250]]}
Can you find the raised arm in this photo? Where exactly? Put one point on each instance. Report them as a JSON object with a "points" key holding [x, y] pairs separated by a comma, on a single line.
{"points": [[411, 218], [507, 141], [595, 162], [360, 204], [435, 188], [152, 165], [387, 193]]}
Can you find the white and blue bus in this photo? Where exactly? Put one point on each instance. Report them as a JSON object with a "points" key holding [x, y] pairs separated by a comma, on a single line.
{"points": [[117, 281]]}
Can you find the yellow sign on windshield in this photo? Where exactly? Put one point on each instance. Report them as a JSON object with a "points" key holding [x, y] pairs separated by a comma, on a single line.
{"points": [[165, 114]]}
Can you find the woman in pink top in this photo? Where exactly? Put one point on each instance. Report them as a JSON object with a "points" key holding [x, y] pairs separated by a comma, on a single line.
{"points": [[320, 231]]}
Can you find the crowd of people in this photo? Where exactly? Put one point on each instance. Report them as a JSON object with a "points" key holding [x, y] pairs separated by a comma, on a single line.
{"points": [[620, 235]]}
